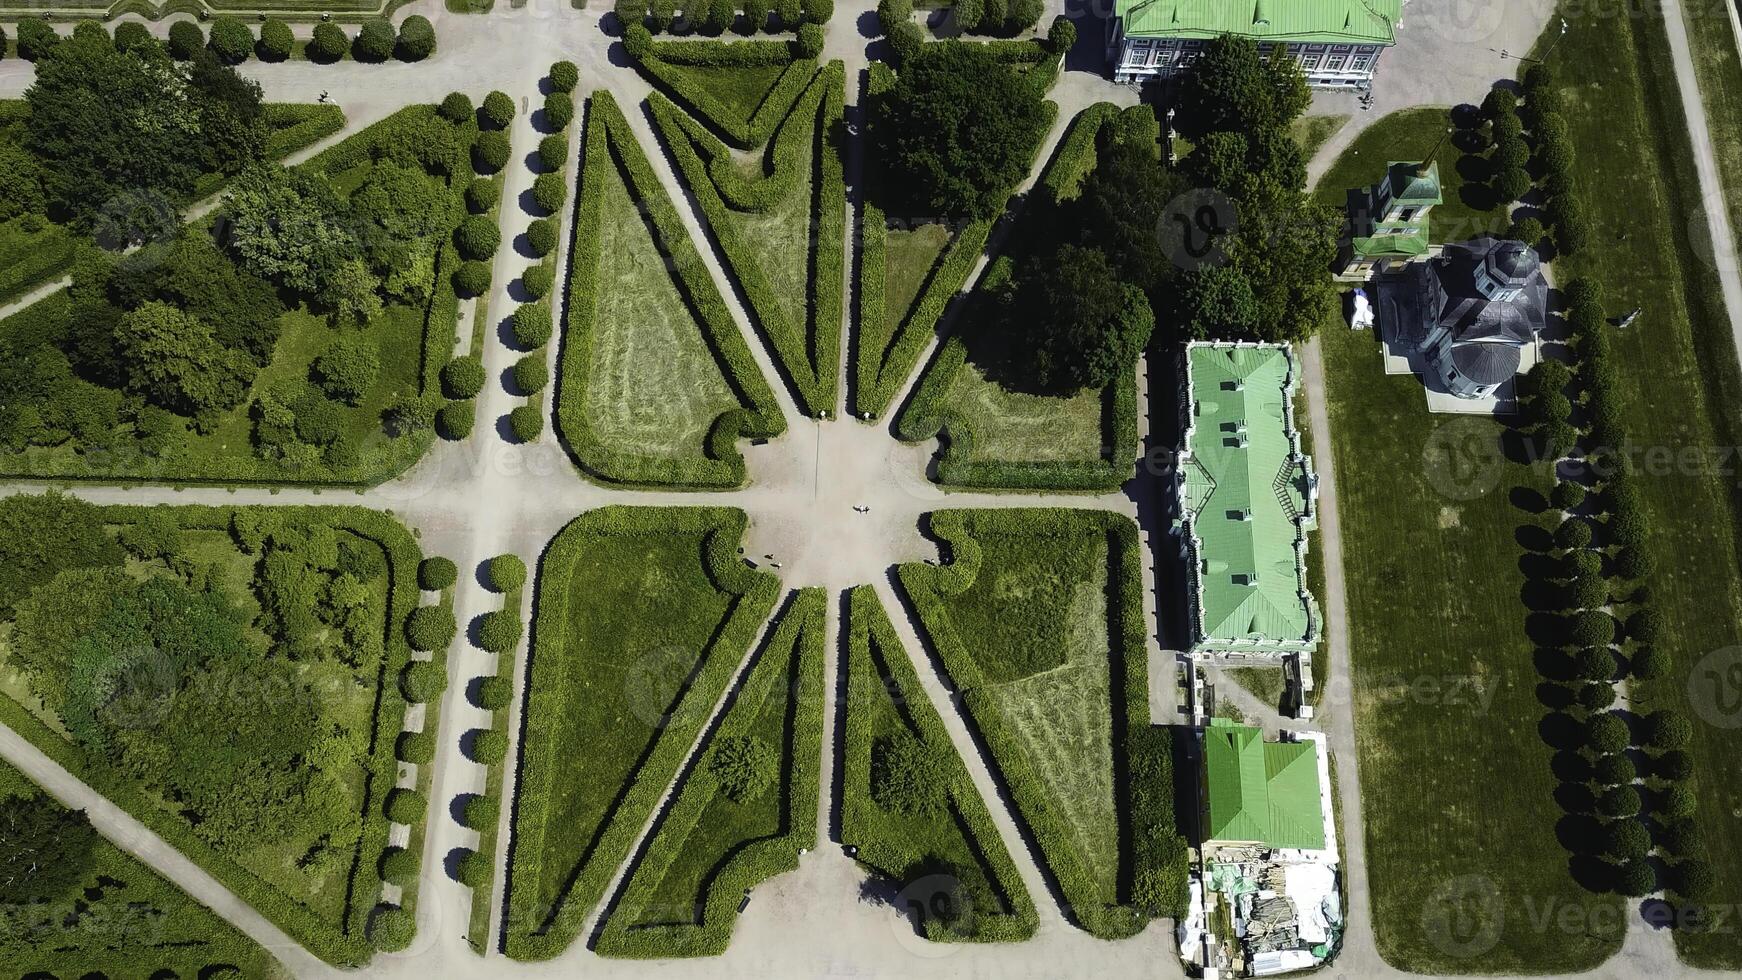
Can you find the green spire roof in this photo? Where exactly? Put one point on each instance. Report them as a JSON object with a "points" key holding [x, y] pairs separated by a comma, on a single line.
{"points": [[1303, 21], [1246, 499], [1265, 792], [1410, 186]]}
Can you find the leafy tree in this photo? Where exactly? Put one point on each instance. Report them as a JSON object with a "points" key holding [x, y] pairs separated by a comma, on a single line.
{"points": [[1692, 878], [1626, 840], [1613, 770], [1594, 663], [477, 237], [553, 152], [907, 41], [1233, 88], [1568, 495], [958, 128], [494, 692], [1666, 728], [177, 363], [1607, 733], [1077, 326], [907, 776], [1650, 664], [288, 226], [489, 746], [399, 866], [45, 849], [1573, 533], [791, 14], [481, 812], [472, 278], [1511, 183], [721, 14], [417, 748], [1216, 302], [374, 41], [347, 368], [36, 38], [1677, 801], [329, 43], [129, 36], [185, 39], [406, 805], [417, 39], [1635, 879], [481, 195], [746, 767], [1646, 625], [1619, 801], [507, 573], [498, 110], [473, 869]]}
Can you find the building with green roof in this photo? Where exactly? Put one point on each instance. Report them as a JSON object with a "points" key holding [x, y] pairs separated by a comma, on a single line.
{"points": [[1337, 42], [1248, 497], [1388, 222], [1258, 792]]}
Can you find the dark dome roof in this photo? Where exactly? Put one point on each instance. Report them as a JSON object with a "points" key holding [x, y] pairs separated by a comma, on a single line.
{"points": [[1514, 260], [1484, 363]]}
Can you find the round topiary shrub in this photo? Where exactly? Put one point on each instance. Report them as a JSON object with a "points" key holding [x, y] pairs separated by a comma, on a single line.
{"points": [[1613, 770], [232, 42], [498, 110], [1677, 801], [463, 377], [790, 12], [1691, 879], [406, 805], [276, 40], [526, 422], [1607, 734], [809, 43], [721, 14], [423, 681], [906, 41], [430, 627], [755, 17], [637, 42], [1588, 592], [391, 928], [454, 420], [549, 191], [532, 326], [1626, 840], [490, 152], [477, 237], [436, 573], [819, 11], [1062, 35], [1598, 696], [1574, 532], [481, 812], [417, 39], [507, 573], [559, 110], [891, 13], [1666, 728], [1567, 495], [1593, 628], [1649, 664], [1645, 625], [1677, 837], [499, 631], [489, 746], [541, 236], [1594, 664], [129, 36], [185, 40], [472, 278], [417, 748], [564, 76], [375, 40], [480, 195], [1578, 564], [329, 43], [1636, 879], [531, 373], [1511, 183], [399, 866], [1619, 801], [457, 108], [494, 692], [538, 279], [472, 870], [1674, 765], [553, 151], [1633, 563]]}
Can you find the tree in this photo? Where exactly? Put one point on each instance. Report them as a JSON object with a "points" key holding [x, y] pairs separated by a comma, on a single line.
{"points": [[481, 195], [1593, 628], [499, 631], [907, 41], [406, 805], [455, 419], [29, 558], [472, 278], [1666, 728], [893, 12], [498, 110], [1626, 840], [231, 40], [1633, 563], [1613, 770], [1062, 36], [549, 190], [1588, 592], [329, 43], [507, 573], [347, 368], [1599, 696], [177, 363], [819, 12], [1511, 183], [791, 14], [1646, 625], [45, 849], [417, 748], [1677, 801], [436, 573], [541, 236], [531, 374], [477, 237], [489, 746], [457, 108], [564, 76], [553, 152], [473, 869], [721, 13], [374, 41], [391, 928], [1216, 302], [430, 628], [1635, 879], [494, 692], [36, 38], [538, 280], [481, 812], [1692, 878], [1076, 325], [288, 226], [1649, 663], [1574, 533], [399, 866], [463, 377], [1568, 495], [185, 39], [559, 110], [745, 766], [1675, 765], [809, 43], [532, 325], [490, 151], [958, 128], [1233, 88], [907, 776], [1511, 153], [1607, 733], [276, 40], [424, 680], [1619, 801], [526, 422], [755, 16], [417, 39]]}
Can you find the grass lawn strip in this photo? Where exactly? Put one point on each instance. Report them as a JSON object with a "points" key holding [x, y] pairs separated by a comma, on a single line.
{"points": [[642, 616], [781, 227], [1681, 387], [743, 89], [116, 901], [1466, 209], [327, 915], [656, 381], [1056, 677], [711, 849], [885, 700], [997, 438]]}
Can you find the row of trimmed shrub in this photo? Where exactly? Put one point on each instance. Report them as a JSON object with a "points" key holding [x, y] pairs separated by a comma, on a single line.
{"points": [[1564, 204], [721, 464], [719, 16], [861, 824], [721, 187], [536, 932], [744, 133], [997, 17], [930, 587], [798, 637]]}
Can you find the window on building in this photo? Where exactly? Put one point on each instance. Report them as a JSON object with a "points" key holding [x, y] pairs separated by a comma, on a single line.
{"points": [[1309, 62], [1407, 214], [1334, 63], [1361, 63], [1315, 47]]}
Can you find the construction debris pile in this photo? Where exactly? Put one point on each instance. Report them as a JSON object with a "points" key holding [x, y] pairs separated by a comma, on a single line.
{"points": [[1277, 912]]}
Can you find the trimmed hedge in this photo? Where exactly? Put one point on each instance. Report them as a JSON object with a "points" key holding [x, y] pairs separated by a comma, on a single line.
{"points": [[532, 325], [423, 680], [742, 133], [531, 374], [499, 631], [507, 573], [296, 126], [721, 464], [1156, 857], [806, 142], [881, 677], [542, 762], [795, 675], [463, 377]]}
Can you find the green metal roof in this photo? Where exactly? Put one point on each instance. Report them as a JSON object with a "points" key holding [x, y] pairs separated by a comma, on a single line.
{"points": [[1398, 240], [1264, 792], [1410, 186], [1303, 21], [1246, 498]]}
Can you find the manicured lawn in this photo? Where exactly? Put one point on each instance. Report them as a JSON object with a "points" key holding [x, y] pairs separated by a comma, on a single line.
{"points": [[1035, 634], [885, 703], [643, 614], [726, 832], [740, 89], [287, 671], [1456, 789], [1465, 210], [116, 898], [1311, 132], [910, 252], [1680, 381], [780, 220]]}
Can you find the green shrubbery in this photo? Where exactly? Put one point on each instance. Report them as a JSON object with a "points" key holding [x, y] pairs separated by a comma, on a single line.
{"points": [[417, 39], [231, 40], [329, 43], [532, 325], [424, 680], [549, 191], [538, 280], [481, 812], [499, 631], [454, 420], [375, 40], [417, 748], [463, 377], [531, 373], [541, 236], [553, 154], [406, 806], [185, 40], [507, 573], [498, 110], [657, 59], [276, 40], [457, 108], [564, 76], [494, 692], [490, 152], [477, 237]]}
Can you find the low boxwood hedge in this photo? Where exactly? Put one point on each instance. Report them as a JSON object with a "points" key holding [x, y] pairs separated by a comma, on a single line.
{"points": [[721, 464], [744, 133]]}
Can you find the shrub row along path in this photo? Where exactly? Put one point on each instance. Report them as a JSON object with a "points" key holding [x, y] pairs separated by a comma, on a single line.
{"points": [[487, 495]]}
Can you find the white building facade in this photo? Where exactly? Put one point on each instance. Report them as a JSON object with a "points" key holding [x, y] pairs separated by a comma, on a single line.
{"points": [[1337, 42]]}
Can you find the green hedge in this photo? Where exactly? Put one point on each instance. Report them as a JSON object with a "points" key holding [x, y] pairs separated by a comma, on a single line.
{"points": [[721, 54], [1150, 847], [743, 133], [338, 942], [296, 126], [537, 933], [810, 352], [801, 632], [883, 681], [721, 465]]}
